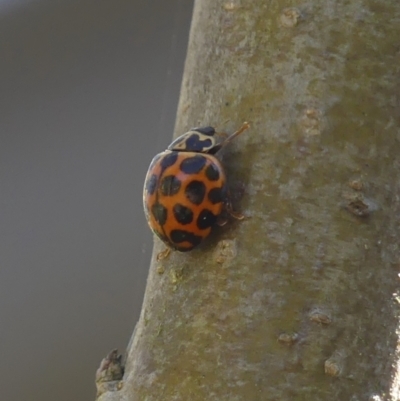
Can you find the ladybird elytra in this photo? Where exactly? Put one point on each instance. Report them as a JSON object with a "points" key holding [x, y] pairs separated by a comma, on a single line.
{"points": [[185, 190]]}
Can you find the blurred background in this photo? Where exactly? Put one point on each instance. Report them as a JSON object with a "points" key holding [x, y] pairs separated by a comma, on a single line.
{"points": [[88, 95]]}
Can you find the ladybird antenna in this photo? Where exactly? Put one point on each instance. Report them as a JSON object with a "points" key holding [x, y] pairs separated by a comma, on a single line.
{"points": [[243, 128]]}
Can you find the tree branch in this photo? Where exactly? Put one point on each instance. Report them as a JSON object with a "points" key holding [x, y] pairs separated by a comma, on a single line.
{"points": [[296, 301]]}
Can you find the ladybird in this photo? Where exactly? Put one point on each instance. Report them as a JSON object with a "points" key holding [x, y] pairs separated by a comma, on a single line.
{"points": [[185, 191]]}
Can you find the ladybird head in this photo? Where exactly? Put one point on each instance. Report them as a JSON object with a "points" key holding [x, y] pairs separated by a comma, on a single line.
{"points": [[204, 140]]}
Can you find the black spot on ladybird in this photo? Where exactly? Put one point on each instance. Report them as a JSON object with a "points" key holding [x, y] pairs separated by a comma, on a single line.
{"points": [[193, 165], [179, 236], [206, 219], [212, 172], [170, 185], [160, 213], [195, 144], [215, 195], [151, 184], [168, 160], [182, 214], [155, 160], [195, 191]]}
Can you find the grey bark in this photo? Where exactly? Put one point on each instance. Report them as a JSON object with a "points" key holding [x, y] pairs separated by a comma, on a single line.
{"points": [[299, 300]]}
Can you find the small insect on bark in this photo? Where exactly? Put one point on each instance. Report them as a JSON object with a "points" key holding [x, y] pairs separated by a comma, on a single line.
{"points": [[185, 191]]}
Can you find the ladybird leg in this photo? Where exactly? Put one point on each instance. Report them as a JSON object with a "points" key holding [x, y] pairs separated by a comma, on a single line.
{"points": [[221, 220], [236, 215], [163, 254]]}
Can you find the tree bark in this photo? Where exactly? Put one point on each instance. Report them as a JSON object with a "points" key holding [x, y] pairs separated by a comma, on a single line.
{"points": [[298, 301]]}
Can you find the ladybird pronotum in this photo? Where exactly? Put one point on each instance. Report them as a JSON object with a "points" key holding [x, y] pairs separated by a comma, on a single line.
{"points": [[185, 191]]}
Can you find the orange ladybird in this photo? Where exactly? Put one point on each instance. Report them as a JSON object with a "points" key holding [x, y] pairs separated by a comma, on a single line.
{"points": [[185, 191]]}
